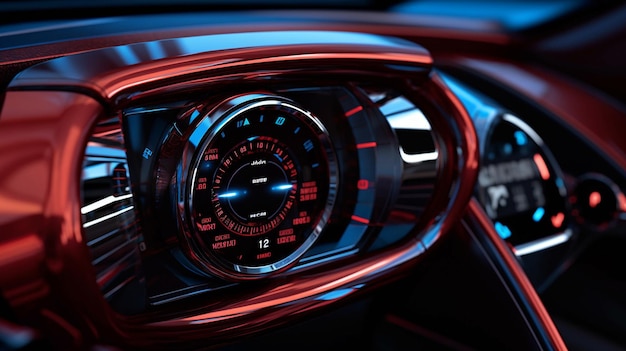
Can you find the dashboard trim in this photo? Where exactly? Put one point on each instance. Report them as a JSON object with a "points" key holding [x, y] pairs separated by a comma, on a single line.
{"points": [[295, 292], [128, 69], [544, 328]]}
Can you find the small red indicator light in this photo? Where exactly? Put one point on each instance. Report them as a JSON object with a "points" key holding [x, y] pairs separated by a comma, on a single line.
{"points": [[594, 199], [622, 201], [363, 184], [557, 220]]}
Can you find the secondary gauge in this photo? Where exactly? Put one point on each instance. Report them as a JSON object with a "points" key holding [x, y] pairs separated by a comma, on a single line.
{"points": [[260, 187], [521, 187]]}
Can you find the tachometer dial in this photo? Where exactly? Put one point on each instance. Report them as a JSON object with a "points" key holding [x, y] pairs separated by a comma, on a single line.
{"points": [[260, 188]]}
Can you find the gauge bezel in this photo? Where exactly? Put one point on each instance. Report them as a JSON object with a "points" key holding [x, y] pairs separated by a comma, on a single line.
{"points": [[210, 122]]}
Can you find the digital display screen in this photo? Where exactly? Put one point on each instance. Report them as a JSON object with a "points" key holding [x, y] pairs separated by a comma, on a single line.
{"points": [[518, 185]]}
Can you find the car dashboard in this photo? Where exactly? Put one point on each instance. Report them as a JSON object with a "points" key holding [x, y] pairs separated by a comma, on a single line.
{"points": [[295, 179]]}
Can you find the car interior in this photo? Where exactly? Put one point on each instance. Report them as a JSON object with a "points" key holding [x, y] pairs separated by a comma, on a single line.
{"points": [[357, 174]]}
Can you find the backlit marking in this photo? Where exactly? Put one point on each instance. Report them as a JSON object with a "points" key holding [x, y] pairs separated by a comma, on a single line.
{"points": [[594, 199], [366, 145], [296, 130], [520, 138], [279, 121], [261, 119], [260, 180], [315, 165], [360, 219], [354, 110], [541, 166], [503, 231], [308, 145], [223, 135], [557, 220], [542, 244], [538, 215]]}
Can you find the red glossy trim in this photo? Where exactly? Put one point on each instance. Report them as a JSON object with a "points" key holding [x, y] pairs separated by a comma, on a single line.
{"points": [[511, 263], [45, 268], [50, 129], [112, 72]]}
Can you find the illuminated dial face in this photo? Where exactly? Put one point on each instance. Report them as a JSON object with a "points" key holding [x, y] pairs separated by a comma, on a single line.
{"points": [[262, 188], [519, 185]]}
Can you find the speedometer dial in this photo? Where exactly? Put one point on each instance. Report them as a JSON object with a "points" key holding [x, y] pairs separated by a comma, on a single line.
{"points": [[260, 188]]}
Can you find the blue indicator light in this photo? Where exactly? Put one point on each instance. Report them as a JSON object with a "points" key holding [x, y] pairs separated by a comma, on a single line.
{"points": [[228, 195], [296, 130], [538, 215], [503, 230], [315, 165], [559, 182], [280, 159], [520, 138], [282, 187], [507, 149]]}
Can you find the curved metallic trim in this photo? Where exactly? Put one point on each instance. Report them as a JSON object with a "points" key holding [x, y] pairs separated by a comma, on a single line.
{"points": [[547, 332], [303, 292], [542, 244], [112, 71]]}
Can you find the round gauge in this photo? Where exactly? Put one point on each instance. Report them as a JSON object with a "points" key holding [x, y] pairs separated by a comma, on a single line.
{"points": [[261, 187], [597, 201], [520, 185]]}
